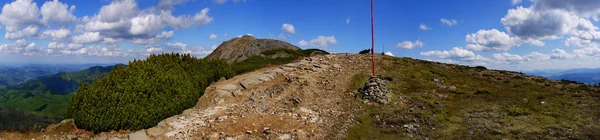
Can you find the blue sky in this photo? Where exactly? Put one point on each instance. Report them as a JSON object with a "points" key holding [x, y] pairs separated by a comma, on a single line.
{"points": [[500, 34]]}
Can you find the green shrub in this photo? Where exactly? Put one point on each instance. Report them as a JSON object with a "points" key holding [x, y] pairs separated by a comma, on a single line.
{"points": [[142, 94], [482, 92], [481, 67], [367, 51], [518, 77]]}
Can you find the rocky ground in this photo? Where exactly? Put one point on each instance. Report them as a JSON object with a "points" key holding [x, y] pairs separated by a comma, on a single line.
{"points": [[307, 99]]}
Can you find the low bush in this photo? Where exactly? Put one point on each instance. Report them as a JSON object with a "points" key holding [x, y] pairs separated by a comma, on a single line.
{"points": [[145, 92]]}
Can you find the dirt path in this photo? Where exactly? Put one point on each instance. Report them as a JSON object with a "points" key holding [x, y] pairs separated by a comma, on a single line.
{"points": [[307, 99]]}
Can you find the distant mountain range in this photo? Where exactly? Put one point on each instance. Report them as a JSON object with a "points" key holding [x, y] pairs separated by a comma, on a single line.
{"points": [[14, 75], [48, 95], [583, 75]]}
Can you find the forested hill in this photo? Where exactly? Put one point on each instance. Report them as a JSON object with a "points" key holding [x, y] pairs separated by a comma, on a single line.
{"points": [[48, 95]]}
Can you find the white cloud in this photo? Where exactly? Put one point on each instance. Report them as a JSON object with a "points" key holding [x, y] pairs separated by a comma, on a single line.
{"points": [[212, 36], [347, 20], [168, 4], [560, 54], [449, 22], [527, 23], [175, 46], [515, 2], [424, 27], [57, 13], [409, 44], [56, 35], [289, 28], [302, 42], [321, 41], [281, 37], [588, 51], [458, 54], [490, 40], [28, 31], [510, 57], [219, 1], [538, 56], [153, 50], [388, 53], [87, 37], [19, 13], [582, 8], [165, 35]]}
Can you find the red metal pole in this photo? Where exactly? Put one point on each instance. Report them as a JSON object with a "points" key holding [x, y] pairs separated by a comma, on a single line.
{"points": [[372, 39]]}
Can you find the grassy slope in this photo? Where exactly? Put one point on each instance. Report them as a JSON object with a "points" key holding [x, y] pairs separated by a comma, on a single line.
{"points": [[512, 108]]}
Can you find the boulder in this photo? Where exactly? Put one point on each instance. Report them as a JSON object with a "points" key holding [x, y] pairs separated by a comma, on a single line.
{"points": [[276, 71], [155, 131]]}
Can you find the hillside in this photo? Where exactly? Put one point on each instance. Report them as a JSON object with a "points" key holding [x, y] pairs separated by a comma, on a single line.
{"points": [[242, 48], [317, 98], [14, 75], [48, 95]]}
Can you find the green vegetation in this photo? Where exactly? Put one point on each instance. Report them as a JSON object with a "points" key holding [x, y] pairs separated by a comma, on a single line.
{"points": [[259, 61], [48, 95], [366, 51], [505, 107], [145, 92], [14, 120]]}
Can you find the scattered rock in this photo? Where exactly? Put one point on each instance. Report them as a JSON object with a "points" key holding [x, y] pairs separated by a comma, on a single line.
{"points": [[139, 135], [337, 66], [267, 131], [296, 100]]}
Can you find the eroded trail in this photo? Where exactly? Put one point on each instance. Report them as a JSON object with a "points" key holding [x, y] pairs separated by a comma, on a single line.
{"points": [[307, 99], [302, 100]]}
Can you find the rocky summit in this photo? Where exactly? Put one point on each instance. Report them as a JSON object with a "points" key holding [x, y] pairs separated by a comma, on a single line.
{"points": [[241, 48]]}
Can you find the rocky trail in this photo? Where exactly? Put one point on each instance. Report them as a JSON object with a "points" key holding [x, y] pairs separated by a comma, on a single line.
{"points": [[307, 99]]}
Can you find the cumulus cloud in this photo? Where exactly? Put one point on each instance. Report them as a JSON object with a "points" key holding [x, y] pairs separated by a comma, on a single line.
{"points": [[509, 57], [168, 4], [537, 56], [458, 54], [515, 2], [58, 13], [490, 40], [281, 36], [212, 36], [588, 51], [175, 46], [321, 41], [527, 23], [583, 8], [388, 54], [560, 54], [25, 32], [56, 35], [154, 50], [409, 44], [87, 37], [424, 27], [289, 28], [20, 46], [20, 13], [449, 22]]}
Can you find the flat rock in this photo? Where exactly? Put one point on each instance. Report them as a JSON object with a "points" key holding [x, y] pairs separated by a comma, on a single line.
{"points": [[155, 131], [228, 87], [246, 83], [116, 138], [222, 93], [139, 135]]}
